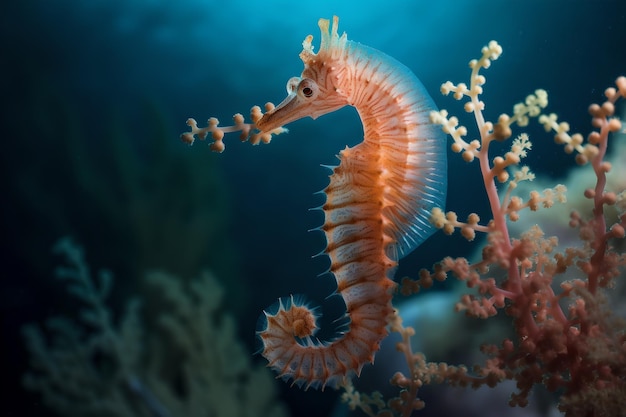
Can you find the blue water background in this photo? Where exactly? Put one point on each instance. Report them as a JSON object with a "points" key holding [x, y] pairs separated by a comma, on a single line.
{"points": [[78, 76]]}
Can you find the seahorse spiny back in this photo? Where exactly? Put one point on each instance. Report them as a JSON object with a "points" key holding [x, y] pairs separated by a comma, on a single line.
{"points": [[394, 107]]}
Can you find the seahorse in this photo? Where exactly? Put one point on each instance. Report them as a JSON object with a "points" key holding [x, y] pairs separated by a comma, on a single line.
{"points": [[378, 201]]}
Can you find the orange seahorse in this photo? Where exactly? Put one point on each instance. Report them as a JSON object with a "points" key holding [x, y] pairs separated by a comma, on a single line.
{"points": [[377, 203]]}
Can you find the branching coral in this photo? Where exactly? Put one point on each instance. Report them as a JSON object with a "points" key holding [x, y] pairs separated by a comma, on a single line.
{"points": [[249, 131], [183, 361], [566, 336]]}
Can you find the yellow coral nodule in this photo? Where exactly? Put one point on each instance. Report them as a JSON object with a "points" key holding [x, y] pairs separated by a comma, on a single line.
{"points": [[620, 82], [218, 132], [187, 138], [437, 218], [217, 146]]}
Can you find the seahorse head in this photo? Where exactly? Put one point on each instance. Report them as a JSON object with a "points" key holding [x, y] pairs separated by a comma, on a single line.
{"points": [[318, 90]]}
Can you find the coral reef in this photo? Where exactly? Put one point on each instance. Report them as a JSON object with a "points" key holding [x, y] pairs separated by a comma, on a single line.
{"points": [[183, 360], [567, 336]]}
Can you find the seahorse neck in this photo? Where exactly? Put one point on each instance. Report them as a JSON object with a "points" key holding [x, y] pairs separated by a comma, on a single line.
{"points": [[404, 151], [385, 94], [382, 116]]}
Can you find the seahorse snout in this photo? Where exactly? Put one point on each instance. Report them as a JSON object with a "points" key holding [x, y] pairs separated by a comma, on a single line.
{"points": [[305, 98], [286, 112]]}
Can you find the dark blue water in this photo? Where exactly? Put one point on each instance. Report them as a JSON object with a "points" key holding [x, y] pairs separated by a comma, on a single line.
{"points": [[95, 94]]}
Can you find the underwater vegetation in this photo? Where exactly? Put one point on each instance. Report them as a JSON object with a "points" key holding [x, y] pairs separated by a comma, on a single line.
{"points": [[569, 334], [180, 359], [566, 336]]}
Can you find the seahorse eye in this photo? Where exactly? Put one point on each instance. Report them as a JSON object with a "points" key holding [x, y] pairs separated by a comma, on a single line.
{"points": [[292, 84], [308, 88]]}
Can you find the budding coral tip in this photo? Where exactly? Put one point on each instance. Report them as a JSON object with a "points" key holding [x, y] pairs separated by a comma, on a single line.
{"points": [[256, 114], [187, 138], [621, 86], [217, 146]]}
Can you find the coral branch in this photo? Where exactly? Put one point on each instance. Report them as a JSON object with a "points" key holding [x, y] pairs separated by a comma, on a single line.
{"points": [[566, 336], [182, 361], [248, 131]]}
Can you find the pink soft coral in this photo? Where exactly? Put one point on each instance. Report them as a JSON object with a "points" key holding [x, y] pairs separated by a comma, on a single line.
{"points": [[566, 336]]}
